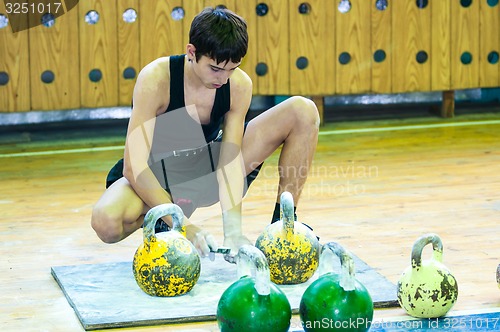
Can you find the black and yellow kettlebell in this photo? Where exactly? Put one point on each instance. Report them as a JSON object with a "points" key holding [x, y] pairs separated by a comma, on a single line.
{"points": [[427, 289], [166, 263], [253, 303], [336, 302], [498, 275], [291, 248]]}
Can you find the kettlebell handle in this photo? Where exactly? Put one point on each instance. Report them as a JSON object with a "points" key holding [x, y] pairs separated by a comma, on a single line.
{"points": [[347, 277], [287, 213], [158, 212], [251, 261], [418, 246]]}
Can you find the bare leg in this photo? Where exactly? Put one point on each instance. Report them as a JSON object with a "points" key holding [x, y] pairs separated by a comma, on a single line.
{"points": [[293, 123], [118, 213]]}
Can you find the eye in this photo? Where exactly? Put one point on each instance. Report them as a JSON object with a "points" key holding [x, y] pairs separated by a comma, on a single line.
{"points": [[215, 69]]}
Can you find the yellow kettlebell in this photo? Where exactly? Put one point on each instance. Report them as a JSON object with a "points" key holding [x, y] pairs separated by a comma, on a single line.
{"points": [[166, 264], [291, 248]]}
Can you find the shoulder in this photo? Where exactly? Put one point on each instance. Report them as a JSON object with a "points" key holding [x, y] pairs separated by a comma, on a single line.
{"points": [[154, 73], [241, 96], [241, 86], [152, 83], [240, 80]]}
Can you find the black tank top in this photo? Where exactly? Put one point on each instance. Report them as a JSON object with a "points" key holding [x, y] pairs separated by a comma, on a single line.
{"points": [[222, 100]]}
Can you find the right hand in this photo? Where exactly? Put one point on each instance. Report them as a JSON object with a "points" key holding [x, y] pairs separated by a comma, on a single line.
{"points": [[235, 243]]}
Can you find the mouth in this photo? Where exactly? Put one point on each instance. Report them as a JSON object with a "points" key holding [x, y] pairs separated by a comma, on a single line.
{"points": [[216, 85]]}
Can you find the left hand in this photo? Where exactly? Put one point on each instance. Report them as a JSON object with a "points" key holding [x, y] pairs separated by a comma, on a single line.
{"points": [[235, 243], [201, 239]]}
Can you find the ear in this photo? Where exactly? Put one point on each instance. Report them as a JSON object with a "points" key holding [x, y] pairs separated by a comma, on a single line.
{"points": [[191, 52]]}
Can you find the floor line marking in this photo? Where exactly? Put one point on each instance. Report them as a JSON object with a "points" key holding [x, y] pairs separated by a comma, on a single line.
{"points": [[321, 133], [54, 152], [408, 127]]}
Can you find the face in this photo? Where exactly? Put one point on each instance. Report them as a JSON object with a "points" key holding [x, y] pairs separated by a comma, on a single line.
{"points": [[211, 74]]}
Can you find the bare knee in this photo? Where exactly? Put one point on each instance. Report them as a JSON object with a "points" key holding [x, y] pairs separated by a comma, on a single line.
{"points": [[305, 112], [107, 225]]}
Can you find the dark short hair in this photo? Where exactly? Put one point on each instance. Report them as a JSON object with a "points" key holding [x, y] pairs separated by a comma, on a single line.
{"points": [[219, 34]]}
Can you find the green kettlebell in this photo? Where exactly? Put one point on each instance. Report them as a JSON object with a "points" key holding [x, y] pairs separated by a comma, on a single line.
{"points": [[427, 289], [336, 302], [253, 304]]}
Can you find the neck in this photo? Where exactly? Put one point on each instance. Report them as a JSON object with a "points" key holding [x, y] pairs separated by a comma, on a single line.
{"points": [[191, 80]]}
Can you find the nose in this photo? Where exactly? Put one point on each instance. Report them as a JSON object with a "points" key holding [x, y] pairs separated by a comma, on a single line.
{"points": [[224, 77]]}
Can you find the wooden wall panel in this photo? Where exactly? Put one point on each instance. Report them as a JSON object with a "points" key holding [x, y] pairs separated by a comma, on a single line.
{"points": [[489, 20], [55, 50], [191, 8], [353, 40], [14, 66], [246, 9], [441, 45], [411, 36], [382, 48], [311, 40], [230, 4], [273, 49], [444, 30], [465, 38], [161, 35], [129, 62], [98, 54]]}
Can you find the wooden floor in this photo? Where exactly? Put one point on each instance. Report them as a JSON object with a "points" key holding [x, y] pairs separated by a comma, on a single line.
{"points": [[375, 187]]}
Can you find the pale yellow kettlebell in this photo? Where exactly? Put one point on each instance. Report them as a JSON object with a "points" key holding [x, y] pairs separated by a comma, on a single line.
{"points": [[427, 289]]}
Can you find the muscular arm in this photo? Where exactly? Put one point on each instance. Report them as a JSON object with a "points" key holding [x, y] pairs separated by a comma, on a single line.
{"points": [[149, 100], [231, 173]]}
